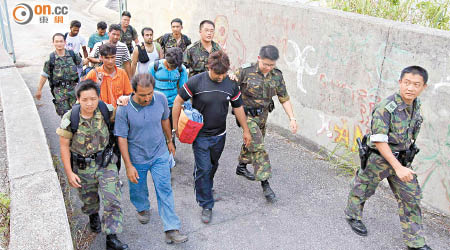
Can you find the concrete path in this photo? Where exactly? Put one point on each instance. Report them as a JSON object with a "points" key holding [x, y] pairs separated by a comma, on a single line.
{"points": [[311, 195]]}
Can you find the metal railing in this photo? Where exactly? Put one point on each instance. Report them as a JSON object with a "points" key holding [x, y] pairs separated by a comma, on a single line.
{"points": [[5, 24]]}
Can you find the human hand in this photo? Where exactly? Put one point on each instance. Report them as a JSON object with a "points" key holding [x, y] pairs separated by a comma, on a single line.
{"points": [[38, 95], [74, 180], [171, 148], [123, 100], [232, 76], [405, 174], [293, 126], [132, 174], [247, 138]]}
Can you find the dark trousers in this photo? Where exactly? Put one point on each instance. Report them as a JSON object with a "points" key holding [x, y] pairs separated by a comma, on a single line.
{"points": [[207, 152]]}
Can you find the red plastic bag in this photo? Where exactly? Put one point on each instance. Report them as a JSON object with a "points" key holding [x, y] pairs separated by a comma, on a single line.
{"points": [[188, 129]]}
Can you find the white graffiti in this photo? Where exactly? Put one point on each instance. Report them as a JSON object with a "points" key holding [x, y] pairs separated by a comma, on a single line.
{"points": [[441, 84], [299, 63], [325, 126]]}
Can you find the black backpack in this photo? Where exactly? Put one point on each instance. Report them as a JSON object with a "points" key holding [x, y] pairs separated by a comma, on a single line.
{"points": [[51, 67], [156, 67]]}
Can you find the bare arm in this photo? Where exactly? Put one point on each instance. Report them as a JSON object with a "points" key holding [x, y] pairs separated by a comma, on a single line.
{"points": [[242, 119], [94, 60], [134, 61], [176, 110], [287, 106], [42, 81], [405, 174], [166, 128], [127, 68], [132, 174], [73, 179], [85, 53]]}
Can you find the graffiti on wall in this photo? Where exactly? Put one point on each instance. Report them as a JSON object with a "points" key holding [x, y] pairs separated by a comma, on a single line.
{"points": [[299, 63]]}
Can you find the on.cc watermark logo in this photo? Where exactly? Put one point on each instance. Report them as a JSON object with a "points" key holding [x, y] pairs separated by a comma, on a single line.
{"points": [[22, 13]]}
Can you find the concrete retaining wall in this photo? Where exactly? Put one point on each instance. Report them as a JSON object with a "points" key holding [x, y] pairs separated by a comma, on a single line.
{"points": [[337, 66], [38, 214]]}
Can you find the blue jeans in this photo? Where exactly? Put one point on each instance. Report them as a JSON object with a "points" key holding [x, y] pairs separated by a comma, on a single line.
{"points": [[160, 170], [207, 152]]}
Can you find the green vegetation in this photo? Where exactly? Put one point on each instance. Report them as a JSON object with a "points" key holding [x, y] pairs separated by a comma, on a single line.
{"points": [[4, 217], [433, 13], [345, 161]]}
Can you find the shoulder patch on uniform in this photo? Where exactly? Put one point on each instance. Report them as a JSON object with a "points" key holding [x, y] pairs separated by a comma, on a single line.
{"points": [[391, 106], [246, 65], [65, 123], [277, 70]]}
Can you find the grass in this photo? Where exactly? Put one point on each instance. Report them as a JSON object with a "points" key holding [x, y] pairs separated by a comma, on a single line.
{"points": [[4, 216], [432, 14], [344, 160]]}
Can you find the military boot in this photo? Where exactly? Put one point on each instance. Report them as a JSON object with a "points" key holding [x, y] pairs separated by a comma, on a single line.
{"points": [[267, 191], [357, 226], [425, 247], [112, 243], [94, 223], [242, 170]]}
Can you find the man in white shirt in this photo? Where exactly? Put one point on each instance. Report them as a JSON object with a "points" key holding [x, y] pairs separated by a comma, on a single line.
{"points": [[74, 41]]}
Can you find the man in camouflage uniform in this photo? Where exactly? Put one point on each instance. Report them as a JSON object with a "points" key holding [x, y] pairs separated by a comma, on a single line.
{"points": [[62, 75], [174, 39], [395, 125], [82, 153], [259, 82], [196, 55], [128, 34]]}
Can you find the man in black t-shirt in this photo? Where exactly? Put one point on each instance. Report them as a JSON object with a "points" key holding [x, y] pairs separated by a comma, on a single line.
{"points": [[211, 94]]}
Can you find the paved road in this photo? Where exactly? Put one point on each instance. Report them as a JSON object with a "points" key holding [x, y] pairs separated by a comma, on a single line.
{"points": [[311, 195]]}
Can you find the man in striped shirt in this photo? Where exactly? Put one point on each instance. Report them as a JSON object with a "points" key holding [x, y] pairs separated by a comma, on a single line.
{"points": [[123, 58]]}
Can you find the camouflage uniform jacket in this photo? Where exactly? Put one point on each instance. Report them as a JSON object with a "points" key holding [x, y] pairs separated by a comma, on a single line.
{"points": [[257, 90], [196, 57], [395, 123], [65, 68], [172, 42], [92, 135], [128, 36]]}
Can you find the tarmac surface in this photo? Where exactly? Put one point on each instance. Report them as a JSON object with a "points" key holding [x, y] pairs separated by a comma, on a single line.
{"points": [[311, 194]]}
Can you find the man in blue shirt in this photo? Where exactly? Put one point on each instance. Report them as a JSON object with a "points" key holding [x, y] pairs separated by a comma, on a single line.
{"points": [[143, 129], [99, 36]]}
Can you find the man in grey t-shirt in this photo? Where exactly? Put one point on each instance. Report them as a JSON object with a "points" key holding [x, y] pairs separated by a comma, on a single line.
{"points": [[143, 130]]}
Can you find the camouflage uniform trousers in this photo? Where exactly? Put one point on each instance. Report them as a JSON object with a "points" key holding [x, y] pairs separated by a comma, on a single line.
{"points": [[106, 180], [64, 98], [407, 194], [256, 154]]}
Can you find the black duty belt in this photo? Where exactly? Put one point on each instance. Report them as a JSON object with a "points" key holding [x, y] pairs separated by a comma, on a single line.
{"points": [[254, 111], [397, 154], [65, 83], [83, 161]]}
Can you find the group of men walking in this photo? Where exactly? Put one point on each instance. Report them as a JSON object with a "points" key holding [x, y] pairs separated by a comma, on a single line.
{"points": [[106, 117]]}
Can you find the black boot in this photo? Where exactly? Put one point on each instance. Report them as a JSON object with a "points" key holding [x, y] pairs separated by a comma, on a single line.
{"points": [[267, 191], [242, 170], [94, 223], [112, 243], [357, 226]]}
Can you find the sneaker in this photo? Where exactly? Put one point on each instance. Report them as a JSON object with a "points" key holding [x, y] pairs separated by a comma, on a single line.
{"points": [[216, 196], [143, 216], [174, 236], [206, 215]]}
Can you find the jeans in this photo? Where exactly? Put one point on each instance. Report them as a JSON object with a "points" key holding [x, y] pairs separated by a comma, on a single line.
{"points": [[160, 170], [207, 152]]}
